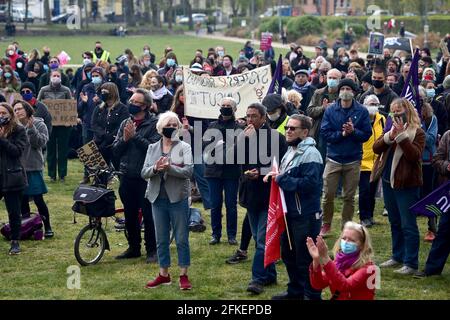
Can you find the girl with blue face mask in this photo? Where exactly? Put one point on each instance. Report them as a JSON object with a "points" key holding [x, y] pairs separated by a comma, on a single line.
{"points": [[352, 274]]}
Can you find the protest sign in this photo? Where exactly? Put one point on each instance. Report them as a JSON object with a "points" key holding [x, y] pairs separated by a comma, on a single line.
{"points": [[63, 111], [376, 41], [395, 43], [204, 94], [266, 41], [91, 157]]}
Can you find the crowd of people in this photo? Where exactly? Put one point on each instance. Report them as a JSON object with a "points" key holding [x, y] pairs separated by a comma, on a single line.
{"points": [[339, 127]]}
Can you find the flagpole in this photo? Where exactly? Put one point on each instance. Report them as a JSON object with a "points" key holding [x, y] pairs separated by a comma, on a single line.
{"points": [[287, 232], [283, 204]]}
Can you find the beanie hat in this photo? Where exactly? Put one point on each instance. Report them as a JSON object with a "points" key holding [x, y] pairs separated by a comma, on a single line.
{"points": [[272, 101], [28, 85], [347, 82]]}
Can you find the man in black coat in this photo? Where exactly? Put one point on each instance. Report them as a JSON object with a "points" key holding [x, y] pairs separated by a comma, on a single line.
{"points": [[261, 144]]}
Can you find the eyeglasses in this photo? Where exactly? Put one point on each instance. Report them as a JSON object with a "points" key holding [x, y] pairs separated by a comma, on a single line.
{"points": [[26, 91], [173, 125], [287, 128]]}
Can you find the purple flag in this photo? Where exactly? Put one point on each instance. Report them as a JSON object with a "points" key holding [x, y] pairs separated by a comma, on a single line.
{"points": [[275, 85], [434, 204], [411, 89]]}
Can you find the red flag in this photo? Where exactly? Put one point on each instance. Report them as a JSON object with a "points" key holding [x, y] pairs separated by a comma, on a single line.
{"points": [[275, 221]]}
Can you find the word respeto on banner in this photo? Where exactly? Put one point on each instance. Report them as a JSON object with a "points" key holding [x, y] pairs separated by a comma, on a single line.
{"points": [[204, 94], [63, 111], [91, 157]]}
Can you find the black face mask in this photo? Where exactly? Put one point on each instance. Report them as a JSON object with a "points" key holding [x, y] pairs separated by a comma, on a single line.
{"points": [[168, 131], [105, 96], [226, 112], [294, 143], [378, 84]]}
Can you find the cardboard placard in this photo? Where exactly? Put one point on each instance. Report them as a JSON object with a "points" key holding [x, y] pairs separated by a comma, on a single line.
{"points": [[203, 95], [91, 157], [64, 111]]}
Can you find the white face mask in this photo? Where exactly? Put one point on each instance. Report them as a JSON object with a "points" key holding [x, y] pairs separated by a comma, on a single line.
{"points": [[56, 80], [372, 110], [19, 65], [86, 61], [146, 63], [11, 52], [274, 117]]}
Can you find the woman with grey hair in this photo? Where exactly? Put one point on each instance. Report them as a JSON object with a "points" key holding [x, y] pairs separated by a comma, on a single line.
{"points": [[168, 168], [368, 189]]}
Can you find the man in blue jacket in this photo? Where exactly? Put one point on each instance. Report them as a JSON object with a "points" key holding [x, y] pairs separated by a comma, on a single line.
{"points": [[345, 127], [300, 177]]}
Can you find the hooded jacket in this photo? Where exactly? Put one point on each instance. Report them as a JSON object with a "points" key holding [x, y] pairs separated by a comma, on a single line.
{"points": [[32, 157], [301, 178]]}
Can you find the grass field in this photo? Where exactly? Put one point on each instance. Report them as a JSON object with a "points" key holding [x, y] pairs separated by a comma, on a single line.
{"points": [[40, 272], [184, 46]]}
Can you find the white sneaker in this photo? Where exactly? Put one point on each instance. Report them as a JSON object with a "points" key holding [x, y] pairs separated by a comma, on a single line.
{"points": [[385, 212], [406, 270], [390, 264]]}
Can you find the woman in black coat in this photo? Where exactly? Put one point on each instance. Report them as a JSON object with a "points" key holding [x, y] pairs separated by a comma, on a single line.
{"points": [[13, 141], [106, 120]]}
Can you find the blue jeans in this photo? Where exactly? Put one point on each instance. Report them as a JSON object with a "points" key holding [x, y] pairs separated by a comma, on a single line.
{"points": [[404, 230], [165, 215], [202, 185], [298, 259], [258, 224], [441, 247], [217, 187]]}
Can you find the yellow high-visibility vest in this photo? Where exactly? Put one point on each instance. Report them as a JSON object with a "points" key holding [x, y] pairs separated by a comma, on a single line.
{"points": [[104, 57]]}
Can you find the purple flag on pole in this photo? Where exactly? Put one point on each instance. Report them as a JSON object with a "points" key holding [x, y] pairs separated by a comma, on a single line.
{"points": [[434, 204], [275, 85], [411, 89]]}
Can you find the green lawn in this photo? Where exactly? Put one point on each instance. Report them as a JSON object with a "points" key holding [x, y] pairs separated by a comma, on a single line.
{"points": [[40, 272], [184, 46]]}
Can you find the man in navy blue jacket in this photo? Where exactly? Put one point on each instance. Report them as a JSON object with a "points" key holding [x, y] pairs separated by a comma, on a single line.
{"points": [[345, 127], [300, 178]]}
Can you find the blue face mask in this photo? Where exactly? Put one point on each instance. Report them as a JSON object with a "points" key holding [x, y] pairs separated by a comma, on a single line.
{"points": [[134, 109], [431, 93], [8, 75], [332, 83], [348, 247], [170, 62], [88, 75], [96, 80], [27, 96], [45, 67]]}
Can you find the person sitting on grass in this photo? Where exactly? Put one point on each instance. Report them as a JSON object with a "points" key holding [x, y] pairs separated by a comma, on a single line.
{"points": [[349, 274]]}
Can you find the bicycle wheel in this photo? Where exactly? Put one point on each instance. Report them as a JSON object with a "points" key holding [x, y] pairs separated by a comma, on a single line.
{"points": [[90, 245]]}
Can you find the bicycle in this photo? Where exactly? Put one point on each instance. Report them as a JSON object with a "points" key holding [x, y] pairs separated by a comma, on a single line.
{"points": [[97, 201]]}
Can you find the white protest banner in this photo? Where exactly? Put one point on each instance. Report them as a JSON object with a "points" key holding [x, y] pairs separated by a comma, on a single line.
{"points": [[204, 94], [64, 111], [91, 157]]}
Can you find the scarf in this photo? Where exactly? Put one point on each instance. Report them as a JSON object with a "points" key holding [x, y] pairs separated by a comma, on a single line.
{"points": [[345, 261], [301, 89], [158, 94], [33, 101]]}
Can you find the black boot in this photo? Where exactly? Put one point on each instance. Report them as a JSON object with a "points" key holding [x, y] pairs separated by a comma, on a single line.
{"points": [[15, 248]]}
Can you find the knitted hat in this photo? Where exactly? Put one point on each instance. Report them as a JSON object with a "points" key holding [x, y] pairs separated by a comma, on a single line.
{"points": [[272, 101], [98, 70], [302, 71], [446, 83], [347, 82], [28, 85], [367, 77]]}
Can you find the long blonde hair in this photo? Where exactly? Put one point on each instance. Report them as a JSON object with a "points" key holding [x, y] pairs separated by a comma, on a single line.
{"points": [[366, 250], [13, 123], [146, 79], [411, 113]]}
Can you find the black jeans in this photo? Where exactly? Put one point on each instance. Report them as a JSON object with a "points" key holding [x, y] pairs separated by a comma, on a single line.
{"points": [[367, 191], [132, 194], [440, 248], [246, 234], [298, 259], [41, 206], [12, 202]]}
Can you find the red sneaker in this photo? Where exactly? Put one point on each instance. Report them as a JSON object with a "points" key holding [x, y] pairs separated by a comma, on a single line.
{"points": [[185, 284], [325, 230], [159, 281], [429, 236]]}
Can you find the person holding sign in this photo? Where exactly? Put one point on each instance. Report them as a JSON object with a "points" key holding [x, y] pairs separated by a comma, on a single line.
{"points": [[58, 144], [33, 160], [133, 138], [106, 120]]}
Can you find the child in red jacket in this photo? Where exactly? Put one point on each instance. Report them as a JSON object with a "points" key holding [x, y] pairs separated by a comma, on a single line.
{"points": [[352, 275]]}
